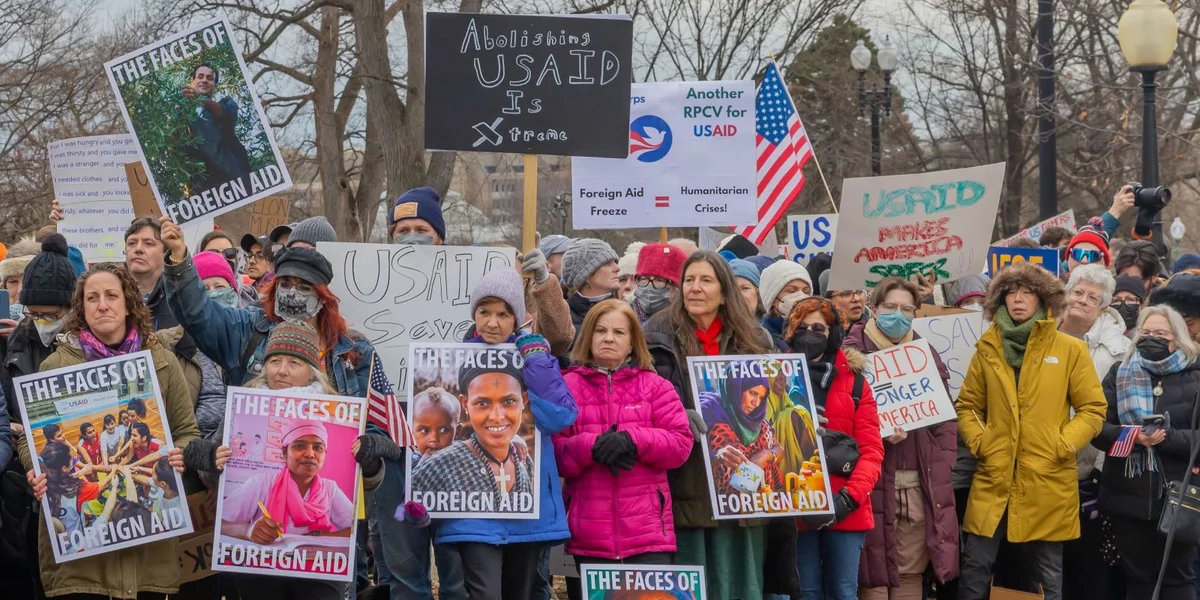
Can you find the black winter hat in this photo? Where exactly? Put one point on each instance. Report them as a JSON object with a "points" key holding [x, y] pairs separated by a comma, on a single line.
{"points": [[304, 263], [739, 245], [49, 278], [1181, 293], [1131, 284]]}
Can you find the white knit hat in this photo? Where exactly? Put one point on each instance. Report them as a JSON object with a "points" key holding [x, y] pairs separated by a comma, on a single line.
{"points": [[777, 276]]}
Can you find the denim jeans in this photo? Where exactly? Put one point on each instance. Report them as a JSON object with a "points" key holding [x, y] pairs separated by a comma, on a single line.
{"points": [[979, 560], [828, 563], [403, 552]]}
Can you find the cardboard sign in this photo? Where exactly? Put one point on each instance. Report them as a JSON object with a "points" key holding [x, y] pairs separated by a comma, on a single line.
{"points": [[528, 84], [260, 531], [628, 582], [140, 193], [903, 225], [447, 477], [908, 388], [396, 294], [809, 235], [1063, 219], [201, 131], [141, 500], [269, 213], [690, 163], [195, 551], [953, 337], [1003, 256], [784, 415]]}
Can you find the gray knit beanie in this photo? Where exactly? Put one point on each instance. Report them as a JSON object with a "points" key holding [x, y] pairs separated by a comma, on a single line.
{"points": [[505, 284], [313, 230], [583, 258]]}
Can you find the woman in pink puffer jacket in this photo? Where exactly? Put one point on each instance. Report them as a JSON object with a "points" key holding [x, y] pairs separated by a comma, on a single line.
{"points": [[630, 429]]}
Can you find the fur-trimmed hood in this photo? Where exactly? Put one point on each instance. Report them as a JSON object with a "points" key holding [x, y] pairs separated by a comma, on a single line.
{"points": [[1049, 289], [857, 361], [18, 258]]}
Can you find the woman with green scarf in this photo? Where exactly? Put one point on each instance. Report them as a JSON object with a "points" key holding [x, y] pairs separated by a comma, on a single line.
{"points": [[1029, 403]]}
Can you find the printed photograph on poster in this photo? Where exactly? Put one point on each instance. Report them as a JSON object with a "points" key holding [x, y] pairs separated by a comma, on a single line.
{"points": [[478, 451], [908, 388], [908, 225], [200, 127], [691, 161], [762, 451], [288, 495], [642, 582], [101, 437], [809, 235], [396, 294]]}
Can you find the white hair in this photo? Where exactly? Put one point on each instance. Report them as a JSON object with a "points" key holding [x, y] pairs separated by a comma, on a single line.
{"points": [[1179, 329], [1095, 274]]}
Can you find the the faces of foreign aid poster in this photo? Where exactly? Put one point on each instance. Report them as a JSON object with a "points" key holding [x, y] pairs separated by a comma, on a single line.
{"points": [[762, 450], [288, 495], [101, 437], [200, 128], [478, 452], [642, 582]]}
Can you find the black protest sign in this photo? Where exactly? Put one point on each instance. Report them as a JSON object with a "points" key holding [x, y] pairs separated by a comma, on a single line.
{"points": [[528, 84]]}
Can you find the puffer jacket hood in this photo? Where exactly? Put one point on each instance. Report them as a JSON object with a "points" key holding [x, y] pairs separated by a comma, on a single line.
{"points": [[617, 516]]}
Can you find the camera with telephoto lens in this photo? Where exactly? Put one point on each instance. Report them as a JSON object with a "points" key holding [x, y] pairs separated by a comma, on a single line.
{"points": [[1149, 201]]}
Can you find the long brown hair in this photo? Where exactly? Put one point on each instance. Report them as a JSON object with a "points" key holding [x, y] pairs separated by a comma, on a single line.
{"points": [[137, 315], [330, 323], [737, 318], [581, 354]]}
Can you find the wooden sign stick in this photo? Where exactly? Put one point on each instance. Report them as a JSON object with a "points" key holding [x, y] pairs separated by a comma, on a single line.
{"points": [[529, 211]]}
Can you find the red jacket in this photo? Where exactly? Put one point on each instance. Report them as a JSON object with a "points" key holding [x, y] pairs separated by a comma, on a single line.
{"points": [[863, 426]]}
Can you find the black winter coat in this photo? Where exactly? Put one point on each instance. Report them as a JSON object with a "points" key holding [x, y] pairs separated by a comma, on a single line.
{"points": [[1142, 497], [23, 356]]}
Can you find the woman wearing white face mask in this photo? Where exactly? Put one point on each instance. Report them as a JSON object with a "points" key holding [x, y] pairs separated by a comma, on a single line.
{"points": [[46, 291]]}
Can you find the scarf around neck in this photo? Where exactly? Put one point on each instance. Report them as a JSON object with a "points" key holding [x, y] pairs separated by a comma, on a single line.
{"points": [[710, 339], [287, 505], [747, 426], [1014, 337], [1135, 400], [94, 349]]}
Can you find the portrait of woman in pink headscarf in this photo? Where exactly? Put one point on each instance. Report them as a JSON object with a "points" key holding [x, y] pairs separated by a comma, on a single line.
{"points": [[297, 499]]}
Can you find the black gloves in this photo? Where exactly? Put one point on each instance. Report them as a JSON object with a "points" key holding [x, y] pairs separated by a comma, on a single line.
{"points": [[615, 449], [843, 505], [372, 447]]}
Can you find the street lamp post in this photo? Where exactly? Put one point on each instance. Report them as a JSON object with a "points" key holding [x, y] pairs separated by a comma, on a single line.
{"points": [[874, 98], [562, 209], [1147, 33]]}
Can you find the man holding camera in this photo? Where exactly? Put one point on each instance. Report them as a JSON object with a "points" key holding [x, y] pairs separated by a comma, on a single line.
{"points": [[1149, 201]]}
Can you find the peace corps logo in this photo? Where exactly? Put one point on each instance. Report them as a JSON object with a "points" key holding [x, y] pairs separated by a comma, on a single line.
{"points": [[649, 138]]}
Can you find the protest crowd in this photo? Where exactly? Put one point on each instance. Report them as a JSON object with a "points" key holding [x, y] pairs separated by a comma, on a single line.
{"points": [[213, 415]]}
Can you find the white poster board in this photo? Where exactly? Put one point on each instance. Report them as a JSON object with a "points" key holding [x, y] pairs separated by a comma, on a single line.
{"points": [[1063, 219], [395, 294], [954, 338], [809, 235], [908, 388], [903, 225], [691, 161]]}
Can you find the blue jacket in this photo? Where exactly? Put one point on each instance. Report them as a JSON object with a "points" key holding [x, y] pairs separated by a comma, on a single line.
{"points": [[553, 411], [775, 326], [223, 334], [1111, 224]]}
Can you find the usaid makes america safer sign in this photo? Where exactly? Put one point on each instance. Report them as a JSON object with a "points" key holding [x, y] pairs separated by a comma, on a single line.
{"points": [[690, 163]]}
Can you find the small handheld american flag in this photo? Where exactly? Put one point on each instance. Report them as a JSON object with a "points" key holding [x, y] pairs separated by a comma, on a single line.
{"points": [[1125, 442], [382, 408]]}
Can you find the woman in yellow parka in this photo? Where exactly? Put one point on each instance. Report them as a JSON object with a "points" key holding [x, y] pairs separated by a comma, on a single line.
{"points": [[1030, 401]]}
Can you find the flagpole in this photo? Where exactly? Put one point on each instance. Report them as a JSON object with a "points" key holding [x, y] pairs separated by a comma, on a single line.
{"points": [[821, 172]]}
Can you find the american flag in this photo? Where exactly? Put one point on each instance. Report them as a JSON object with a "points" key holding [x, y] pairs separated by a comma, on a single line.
{"points": [[782, 150], [1125, 441], [382, 408]]}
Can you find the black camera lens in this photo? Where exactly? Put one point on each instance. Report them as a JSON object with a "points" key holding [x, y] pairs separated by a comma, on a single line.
{"points": [[1151, 198]]}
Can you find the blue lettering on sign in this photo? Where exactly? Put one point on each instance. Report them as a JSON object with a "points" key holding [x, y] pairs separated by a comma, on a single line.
{"points": [[933, 199], [811, 236]]}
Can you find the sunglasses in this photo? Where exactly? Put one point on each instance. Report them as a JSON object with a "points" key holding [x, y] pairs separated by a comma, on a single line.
{"points": [[1080, 255], [230, 254], [816, 328]]}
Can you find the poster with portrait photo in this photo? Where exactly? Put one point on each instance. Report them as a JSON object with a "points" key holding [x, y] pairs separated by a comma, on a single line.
{"points": [[201, 130], [642, 582], [100, 435], [763, 452], [478, 453], [288, 496]]}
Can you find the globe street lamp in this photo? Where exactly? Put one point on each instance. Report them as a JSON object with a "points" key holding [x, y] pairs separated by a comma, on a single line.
{"points": [[1178, 230], [1147, 33], [875, 98]]}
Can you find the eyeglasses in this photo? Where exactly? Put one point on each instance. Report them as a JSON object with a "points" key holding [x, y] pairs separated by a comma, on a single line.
{"points": [[45, 316], [657, 283], [254, 256], [848, 293], [230, 254], [1158, 333], [1080, 255], [1126, 302], [814, 327], [286, 285], [1086, 298], [907, 309]]}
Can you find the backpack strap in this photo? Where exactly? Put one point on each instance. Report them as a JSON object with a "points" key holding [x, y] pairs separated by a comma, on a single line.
{"points": [[857, 390]]}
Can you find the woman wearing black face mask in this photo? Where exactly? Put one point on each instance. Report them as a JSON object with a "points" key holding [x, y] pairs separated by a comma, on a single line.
{"points": [[1127, 300], [1159, 376], [828, 548]]}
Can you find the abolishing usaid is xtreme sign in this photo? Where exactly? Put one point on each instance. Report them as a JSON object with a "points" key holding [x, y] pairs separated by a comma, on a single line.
{"points": [[690, 163]]}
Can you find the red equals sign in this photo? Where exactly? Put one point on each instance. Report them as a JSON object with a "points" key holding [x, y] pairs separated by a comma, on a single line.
{"points": [[662, 202]]}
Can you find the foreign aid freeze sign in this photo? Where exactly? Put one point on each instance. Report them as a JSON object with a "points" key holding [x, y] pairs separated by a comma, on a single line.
{"points": [[528, 84], [690, 164], [905, 225]]}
